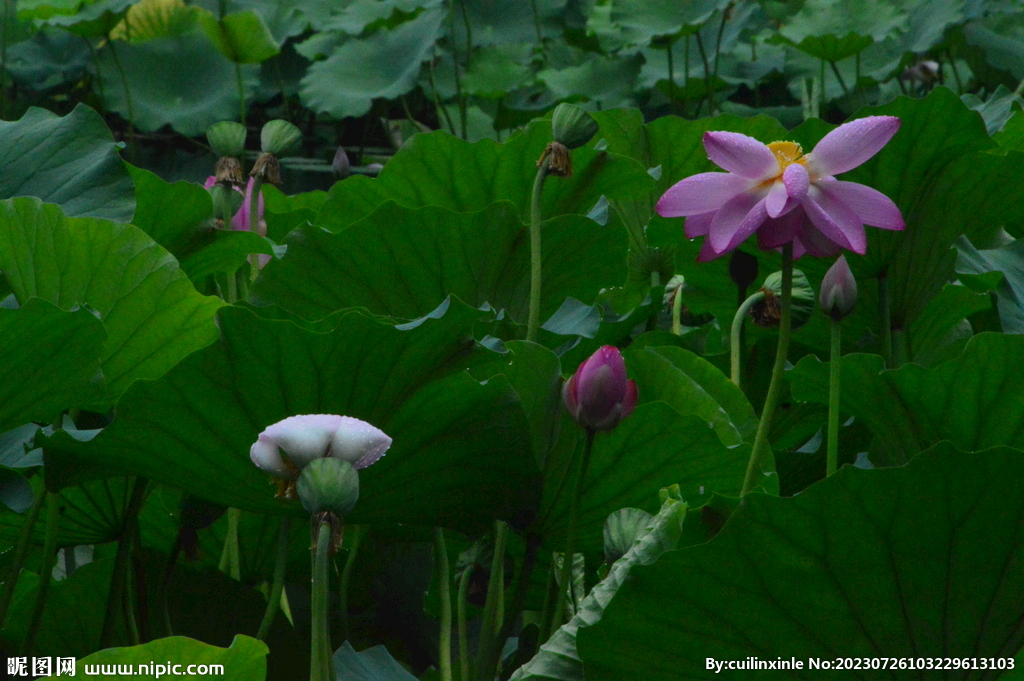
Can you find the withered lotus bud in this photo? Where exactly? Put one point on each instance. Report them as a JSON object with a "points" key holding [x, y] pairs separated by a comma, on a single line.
{"points": [[267, 168], [558, 158], [228, 171]]}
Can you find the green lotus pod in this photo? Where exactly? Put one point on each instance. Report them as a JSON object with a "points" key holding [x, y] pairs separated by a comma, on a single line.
{"points": [[277, 135], [227, 138], [328, 484], [766, 313], [572, 126]]}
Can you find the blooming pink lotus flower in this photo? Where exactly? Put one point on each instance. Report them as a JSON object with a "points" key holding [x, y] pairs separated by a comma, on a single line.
{"points": [[785, 195], [314, 436], [241, 221], [598, 395]]}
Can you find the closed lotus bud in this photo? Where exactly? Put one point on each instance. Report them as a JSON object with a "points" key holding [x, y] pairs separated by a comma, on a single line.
{"points": [[340, 164], [838, 290], [227, 139], [572, 126], [328, 485], [599, 395], [768, 312], [277, 136], [288, 446]]}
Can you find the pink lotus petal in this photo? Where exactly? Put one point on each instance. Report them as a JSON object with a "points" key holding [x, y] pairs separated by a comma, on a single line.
{"points": [[303, 438], [210, 181], [851, 144], [775, 203], [836, 220], [741, 154], [241, 220], [703, 193], [779, 231], [797, 181], [815, 243], [267, 456], [707, 253], [736, 220], [698, 225], [359, 443], [871, 206]]}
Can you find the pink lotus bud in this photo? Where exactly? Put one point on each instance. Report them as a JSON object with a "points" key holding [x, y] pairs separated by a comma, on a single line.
{"points": [[314, 436], [838, 290], [599, 395]]}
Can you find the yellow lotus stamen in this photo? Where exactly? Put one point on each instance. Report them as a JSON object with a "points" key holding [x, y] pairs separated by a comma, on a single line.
{"points": [[788, 153]]}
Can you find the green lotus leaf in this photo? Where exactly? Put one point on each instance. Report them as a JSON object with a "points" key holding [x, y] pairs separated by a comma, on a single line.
{"points": [[865, 564]]}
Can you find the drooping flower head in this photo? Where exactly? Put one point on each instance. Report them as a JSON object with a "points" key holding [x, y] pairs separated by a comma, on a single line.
{"points": [[784, 195], [286, 447], [599, 395]]}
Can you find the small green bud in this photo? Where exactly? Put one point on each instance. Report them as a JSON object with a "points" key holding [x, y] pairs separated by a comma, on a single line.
{"points": [[328, 484], [572, 126], [227, 138], [768, 312], [277, 136]]}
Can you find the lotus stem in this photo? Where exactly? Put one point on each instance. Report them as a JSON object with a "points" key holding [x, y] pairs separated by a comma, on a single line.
{"points": [[771, 402], [677, 312], [533, 322], [736, 335], [883, 312], [277, 586], [46, 571], [443, 579], [833, 400], [570, 534], [463, 597], [495, 592], [320, 655], [18, 560]]}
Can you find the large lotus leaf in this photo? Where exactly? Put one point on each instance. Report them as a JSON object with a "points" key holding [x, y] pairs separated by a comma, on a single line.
{"points": [[558, 659], [971, 401], [91, 513], [875, 18], [357, 16], [999, 36], [152, 314], [70, 160], [461, 452], [499, 69], [830, 47], [865, 564], [72, 621], [654, 447], [48, 58], [384, 64], [175, 215], [242, 37], [490, 22], [436, 169], [245, 660], [151, 19], [643, 20], [605, 81], [51, 361], [373, 663], [403, 262], [692, 385], [162, 92], [1009, 260]]}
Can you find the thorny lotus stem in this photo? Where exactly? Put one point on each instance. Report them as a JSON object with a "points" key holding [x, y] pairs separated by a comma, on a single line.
{"points": [[355, 535], [461, 615], [277, 586], [443, 579], [771, 402], [833, 400], [535, 255], [570, 534], [19, 553], [736, 335], [46, 573], [320, 662], [495, 593]]}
